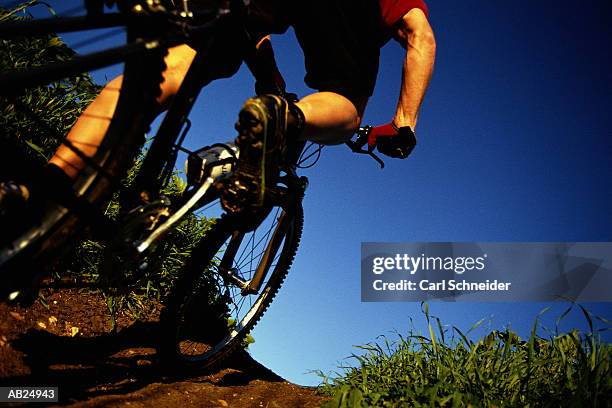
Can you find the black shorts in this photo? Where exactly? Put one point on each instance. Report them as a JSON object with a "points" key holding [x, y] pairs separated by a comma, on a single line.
{"points": [[339, 38]]}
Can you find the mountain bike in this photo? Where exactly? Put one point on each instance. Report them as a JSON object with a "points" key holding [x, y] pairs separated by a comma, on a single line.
{"points": [[237, 268]]}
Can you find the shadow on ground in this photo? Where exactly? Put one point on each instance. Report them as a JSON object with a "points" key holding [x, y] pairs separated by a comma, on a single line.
{"points": [[39, 347]]}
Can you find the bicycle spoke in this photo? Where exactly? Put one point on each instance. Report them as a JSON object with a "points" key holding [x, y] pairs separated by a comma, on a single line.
{"points": [[265, 237], [252, 250], [239, 305], [274, 223], [245, 247], [258, 257]]}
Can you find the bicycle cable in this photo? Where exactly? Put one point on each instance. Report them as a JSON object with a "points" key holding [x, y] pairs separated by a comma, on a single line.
{"points": [[316, 152]]}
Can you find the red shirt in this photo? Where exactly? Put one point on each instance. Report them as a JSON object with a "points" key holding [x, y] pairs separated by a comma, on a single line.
{"points": [[393, 10]]}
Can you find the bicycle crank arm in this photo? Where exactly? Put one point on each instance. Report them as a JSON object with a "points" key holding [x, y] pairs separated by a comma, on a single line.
{"points": [[163, 229]]}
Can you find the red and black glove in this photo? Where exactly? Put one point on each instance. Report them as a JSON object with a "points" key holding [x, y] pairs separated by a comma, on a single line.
{"points": [[392, 141]]}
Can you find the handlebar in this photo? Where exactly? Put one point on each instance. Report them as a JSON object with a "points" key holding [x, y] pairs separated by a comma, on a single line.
{"points": [[357, 145]]}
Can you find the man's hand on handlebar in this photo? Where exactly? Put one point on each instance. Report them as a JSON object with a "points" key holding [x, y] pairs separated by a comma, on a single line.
{"points": [[392, 141], [388, 139]]}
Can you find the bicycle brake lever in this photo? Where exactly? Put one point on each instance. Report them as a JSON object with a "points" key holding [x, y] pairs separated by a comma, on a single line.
{"points": [[370, 153], [378, 159], [356, 146]]}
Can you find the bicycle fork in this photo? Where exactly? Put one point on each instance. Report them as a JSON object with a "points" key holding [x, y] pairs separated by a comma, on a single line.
{"points": [[228, 271]]}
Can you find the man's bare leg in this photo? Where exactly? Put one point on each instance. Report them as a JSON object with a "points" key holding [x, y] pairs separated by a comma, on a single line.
{"points": [[330, 117], [89, 130]]}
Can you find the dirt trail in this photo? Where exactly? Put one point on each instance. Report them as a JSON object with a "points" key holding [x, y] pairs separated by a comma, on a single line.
{"points": [[69, 345]]}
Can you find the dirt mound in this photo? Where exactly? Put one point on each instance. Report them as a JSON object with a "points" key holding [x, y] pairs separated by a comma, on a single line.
{"points": [[69, 344]]}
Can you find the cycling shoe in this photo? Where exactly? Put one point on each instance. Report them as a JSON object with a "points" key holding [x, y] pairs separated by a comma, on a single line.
{"points": [[261, 127]]}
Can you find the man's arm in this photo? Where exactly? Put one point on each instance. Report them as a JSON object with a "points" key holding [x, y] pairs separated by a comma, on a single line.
{"points": [[416, 36]]}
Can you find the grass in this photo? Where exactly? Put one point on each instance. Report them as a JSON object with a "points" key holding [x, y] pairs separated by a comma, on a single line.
{"points": [[446, 368], [38, 118]]}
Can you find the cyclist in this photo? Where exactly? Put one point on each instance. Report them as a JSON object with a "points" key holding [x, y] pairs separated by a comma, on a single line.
{"points": [[341, 41]]}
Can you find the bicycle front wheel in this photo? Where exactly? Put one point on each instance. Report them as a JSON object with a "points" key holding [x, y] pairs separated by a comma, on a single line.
{"points": [[210, 311]]}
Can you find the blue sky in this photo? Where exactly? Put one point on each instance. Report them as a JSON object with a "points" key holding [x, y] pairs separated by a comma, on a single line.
{"points": [[514, 145]]}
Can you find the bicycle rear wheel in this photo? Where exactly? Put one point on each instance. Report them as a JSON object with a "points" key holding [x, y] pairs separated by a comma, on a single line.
{"points": [[208, 315], [124, 137]]}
